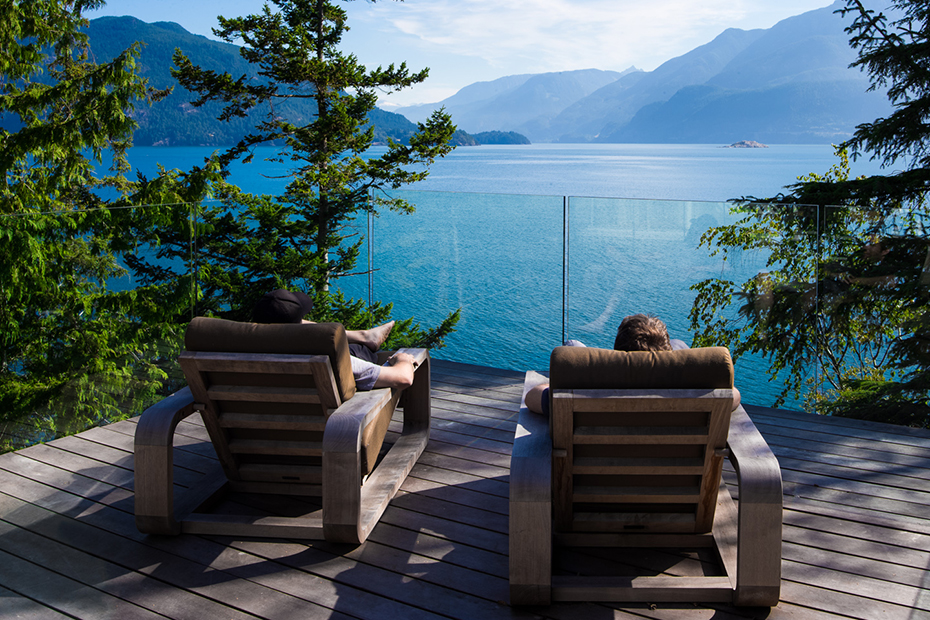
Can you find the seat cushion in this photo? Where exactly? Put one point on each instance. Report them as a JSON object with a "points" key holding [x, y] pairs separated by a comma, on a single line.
{"points": [[590, 368], [222, 336]]}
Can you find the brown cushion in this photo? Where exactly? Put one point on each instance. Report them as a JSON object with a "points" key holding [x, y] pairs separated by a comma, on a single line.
{"points": [[590, 368], [222, 336]]}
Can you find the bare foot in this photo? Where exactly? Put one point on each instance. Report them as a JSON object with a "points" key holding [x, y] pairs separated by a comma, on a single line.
{"points": [[373, 338]]}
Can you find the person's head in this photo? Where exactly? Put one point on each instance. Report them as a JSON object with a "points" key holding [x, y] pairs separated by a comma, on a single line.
{"points": [[281, 306], [642, 332]]}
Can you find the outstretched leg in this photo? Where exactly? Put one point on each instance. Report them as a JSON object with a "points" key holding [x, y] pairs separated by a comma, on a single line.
{"points": [[372, 338]]}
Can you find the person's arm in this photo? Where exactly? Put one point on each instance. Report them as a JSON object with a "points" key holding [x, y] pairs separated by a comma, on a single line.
{"points": [[397, 372]]}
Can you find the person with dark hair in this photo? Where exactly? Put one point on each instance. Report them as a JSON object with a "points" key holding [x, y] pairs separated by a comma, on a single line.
{"points": [[642, 332], [638, 332], [283, 306]]}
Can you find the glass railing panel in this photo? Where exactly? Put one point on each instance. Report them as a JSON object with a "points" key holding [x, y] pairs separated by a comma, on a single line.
{"points": [[497, 257], [781, 304], [642, 256], [866, 311], [86, 339], [356, 283]]}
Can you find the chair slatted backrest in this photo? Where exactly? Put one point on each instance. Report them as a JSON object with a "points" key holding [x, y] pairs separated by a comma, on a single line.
{"points": [[267, 392], [638, 438]]}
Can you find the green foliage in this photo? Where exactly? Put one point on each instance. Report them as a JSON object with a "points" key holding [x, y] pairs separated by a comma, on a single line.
{"points": [[309, 235], [81, 346], [73, 352], [848, 285], [355, 314], [820, 304]]}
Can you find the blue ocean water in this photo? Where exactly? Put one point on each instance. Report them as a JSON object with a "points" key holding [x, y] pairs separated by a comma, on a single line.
{"points": [[493, 224], [652, 171]]}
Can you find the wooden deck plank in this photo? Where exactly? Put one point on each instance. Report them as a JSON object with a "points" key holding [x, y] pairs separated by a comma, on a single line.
{"points": [[844, 604], [246, 571], [857, 532], [95, 565], [870, 453], [854, 519], [376, 573], [22, 608], [847, 426], [468, 447], [64, 595], [856, 463], [891, 571], [846, 431]]}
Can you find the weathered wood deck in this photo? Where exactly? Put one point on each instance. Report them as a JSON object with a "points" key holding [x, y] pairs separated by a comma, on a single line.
{"points": [[856, 535]]}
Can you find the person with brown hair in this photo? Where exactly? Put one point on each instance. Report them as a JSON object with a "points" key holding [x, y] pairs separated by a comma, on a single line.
{"points": [[637, 332], [643, 332]]}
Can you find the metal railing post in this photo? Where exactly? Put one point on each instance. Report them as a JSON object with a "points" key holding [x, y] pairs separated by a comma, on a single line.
{"points": [[565, 230]]}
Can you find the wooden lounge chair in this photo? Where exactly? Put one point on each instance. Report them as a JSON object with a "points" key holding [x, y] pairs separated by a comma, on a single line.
{"points": [[631, 457], [280, 405]]}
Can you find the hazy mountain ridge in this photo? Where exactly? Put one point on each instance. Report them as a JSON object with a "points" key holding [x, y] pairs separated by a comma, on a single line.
{"points": [[515, 102], [616, 104], [790, 83]]}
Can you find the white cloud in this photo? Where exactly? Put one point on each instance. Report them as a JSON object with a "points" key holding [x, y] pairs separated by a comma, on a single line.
{"points": [[552, 35]]}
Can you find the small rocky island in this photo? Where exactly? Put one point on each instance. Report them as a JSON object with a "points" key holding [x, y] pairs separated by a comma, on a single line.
{"points": [[746, 144]]}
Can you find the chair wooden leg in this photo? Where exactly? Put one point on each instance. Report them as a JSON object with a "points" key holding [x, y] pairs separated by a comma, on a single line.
{"points": [[758, 572], [350, 510], [154, 462], [531, 508], [530, 553]]}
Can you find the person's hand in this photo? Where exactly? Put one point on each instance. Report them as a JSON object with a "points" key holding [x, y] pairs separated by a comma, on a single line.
{"points": [[397, 372], [398, 358]]}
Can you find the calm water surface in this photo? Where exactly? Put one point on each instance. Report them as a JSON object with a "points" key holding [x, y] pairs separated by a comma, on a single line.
{"points": [[656, 171]]}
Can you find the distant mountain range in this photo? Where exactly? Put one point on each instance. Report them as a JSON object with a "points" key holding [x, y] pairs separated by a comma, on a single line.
{"points": [[789, 84], [521, 103], [173, 121]]}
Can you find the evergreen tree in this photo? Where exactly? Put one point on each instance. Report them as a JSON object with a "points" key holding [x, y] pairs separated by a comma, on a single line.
{"points": [[307, 236], [849, 283], [73, 352]]}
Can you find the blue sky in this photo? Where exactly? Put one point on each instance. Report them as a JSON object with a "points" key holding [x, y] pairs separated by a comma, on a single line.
{"points": [[466, 41]]}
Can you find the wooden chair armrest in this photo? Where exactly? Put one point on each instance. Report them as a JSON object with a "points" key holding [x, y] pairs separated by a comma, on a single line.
{"points": [[760, 513], [349, 509], [754, 461], [531, 505], [154, 462], [345, 425], [342, 465], [157, 423], [419, 355], [531, 458]]}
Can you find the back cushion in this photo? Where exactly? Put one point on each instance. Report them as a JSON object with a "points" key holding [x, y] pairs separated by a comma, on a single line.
{"points": [[222, 336], [590, 368]]}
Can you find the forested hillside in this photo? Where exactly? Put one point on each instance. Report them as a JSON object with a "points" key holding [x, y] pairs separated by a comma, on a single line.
{"points": [[173, 121]]}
